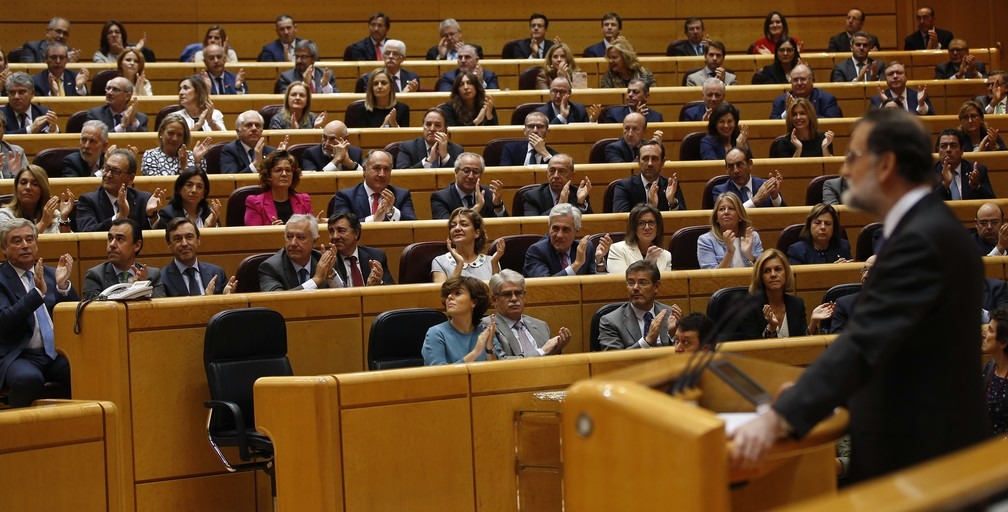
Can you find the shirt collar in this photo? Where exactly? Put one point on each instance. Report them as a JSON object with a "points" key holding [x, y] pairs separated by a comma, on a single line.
{"points": [[900, 209]]}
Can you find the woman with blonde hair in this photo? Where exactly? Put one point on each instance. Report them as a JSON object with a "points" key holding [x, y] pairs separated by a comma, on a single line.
{"points": [[381, 109], [624, 65], [979, 136], [33, 201], [173, 155], [200, 113], [803, 138], [559, 62], [130, 65], [731, 242], [296, 113]]}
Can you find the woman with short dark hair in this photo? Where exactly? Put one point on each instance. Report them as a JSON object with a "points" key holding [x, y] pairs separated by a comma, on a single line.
{"points": [[461, 339]]}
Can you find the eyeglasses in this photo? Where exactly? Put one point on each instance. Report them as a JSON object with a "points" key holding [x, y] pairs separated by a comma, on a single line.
{"points": [[56, 57], [786, 50], [535, 126], [113, 172], [647, 224], [969, 117], [513, 293], [852, 156], [393, 54], [469, 171], [556, 92], [639, 282], [61, 32]]}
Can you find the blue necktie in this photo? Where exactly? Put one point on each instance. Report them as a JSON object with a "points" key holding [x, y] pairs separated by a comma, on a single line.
{"points": [[303, 276], [647, 323], [44, 324]]}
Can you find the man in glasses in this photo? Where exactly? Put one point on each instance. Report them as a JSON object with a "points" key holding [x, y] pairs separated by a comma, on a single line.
{"points": [[991, 234], [119, 113], [322, 80], [56, 79], [560, 109], [404, 80], [467, 191], [803, 86], [534, 151], [519, 335], [642, 322], [116, 198], [58, 31], [961, 64]]}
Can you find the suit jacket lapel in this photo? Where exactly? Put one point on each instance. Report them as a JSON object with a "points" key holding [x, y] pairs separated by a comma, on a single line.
{"points": [[630, 322], [363, 201], [174, 278], [535, 331]]}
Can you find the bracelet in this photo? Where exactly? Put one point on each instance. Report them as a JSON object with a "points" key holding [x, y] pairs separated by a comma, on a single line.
{"points": [[767, 333]]}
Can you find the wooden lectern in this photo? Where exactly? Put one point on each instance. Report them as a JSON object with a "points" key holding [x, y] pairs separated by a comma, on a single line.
{"points": [[629, 445]]}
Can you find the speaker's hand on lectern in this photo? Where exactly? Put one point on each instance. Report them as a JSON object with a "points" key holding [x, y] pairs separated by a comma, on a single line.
{"points": [[752, 440]]}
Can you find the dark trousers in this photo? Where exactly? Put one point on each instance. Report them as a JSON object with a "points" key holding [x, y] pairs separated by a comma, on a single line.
{"points": [[28, 374]]}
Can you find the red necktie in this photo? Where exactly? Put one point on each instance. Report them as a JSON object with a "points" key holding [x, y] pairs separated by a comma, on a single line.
{"points": [[377, 50], [355, 275], [374, 202]]}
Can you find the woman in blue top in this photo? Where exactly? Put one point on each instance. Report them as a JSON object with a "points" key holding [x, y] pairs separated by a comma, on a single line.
{"points": [[820, 240], [460, 339], [723, 133], [732, 242]]}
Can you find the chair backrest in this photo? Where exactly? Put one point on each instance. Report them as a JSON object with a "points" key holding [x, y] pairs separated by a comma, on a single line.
{"points": [[415, 263], [707, 200], [866, 241], [15, 55], [514, 251], [687, 106], [597, 153], [189, 52], [518, 116], [268, 112], [235, 215], [212, 158], [76, 122], [775, 146], [813, 193], [722, 299], [354, 116], [593, 331], [689, 72], [831, 295], [51, 159], [683, 247], [788, 236], [298, 151], [248, 272], [517, 205], [609, 197], [397, 337], [493, 150], [392, 149], [527, 78], [689, 150], [670, 50], [240, 346], [509, 49], [101, 79], [161, 115], [617, 236]]}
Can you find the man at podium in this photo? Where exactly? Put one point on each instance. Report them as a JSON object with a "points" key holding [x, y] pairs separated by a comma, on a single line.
{"points": [[906, 365]]}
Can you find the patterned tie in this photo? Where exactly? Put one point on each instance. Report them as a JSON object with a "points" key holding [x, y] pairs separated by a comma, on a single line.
{"points": [[193, 283], [564, 260], [374, 202], [124, 276], [699, 49], [288, 53], [647, 323], [303, 276], [524, 340], [44, 323], [999, 109], [899, 99], [355, 274]]}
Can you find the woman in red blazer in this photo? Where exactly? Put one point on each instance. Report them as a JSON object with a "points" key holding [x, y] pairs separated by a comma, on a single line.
{"points": [[278, 176]]}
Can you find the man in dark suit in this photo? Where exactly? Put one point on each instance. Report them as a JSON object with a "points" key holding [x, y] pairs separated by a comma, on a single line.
{"points": [[20, 114], [468, 60], [919, 305], [119, 113], [433, 150], [334, 153], [322, 80], [404, 80], [627, 148], [281, 49], [91, 157], [536, 46], [518, 335], [642, 322], [245, 153], [927, 37], [297, 266], [561, 188], [560, 109], [116, 198], [559, 254], [612, 24], [185, 275], [908, 99], [488, 202], [125, 240], [649, 186], [855, 23], [961, 64], [217, 79], [375, 200], [803, 86], [845, 305], [958, 178], [637, 95], [534, 151], [451, 40], [369, 47], [860, 67], [355, 261], [693, 45], [58, 31], [833, 189], [991, 236], [28, 293], [754, 192], [56, 79], [713, 95]]}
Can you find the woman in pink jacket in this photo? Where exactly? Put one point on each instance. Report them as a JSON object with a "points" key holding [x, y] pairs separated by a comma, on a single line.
{"points": [[278, 177]]}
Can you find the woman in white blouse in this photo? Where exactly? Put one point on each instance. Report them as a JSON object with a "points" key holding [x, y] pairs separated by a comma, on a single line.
{"points": [[644, 235]]}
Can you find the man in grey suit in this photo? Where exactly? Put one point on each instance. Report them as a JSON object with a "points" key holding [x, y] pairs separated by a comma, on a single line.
{"points": [[519, 335], [714, 56], [858, 68], [642, 322], [833, 189], [296, 266], [322, 80], [125, 240]]}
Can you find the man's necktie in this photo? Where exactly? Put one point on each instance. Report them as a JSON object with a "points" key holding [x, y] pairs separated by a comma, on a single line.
{"points": [[564, 260], [193, 284], [303, 276], [377, 50], [648, 317], [288, 54], [524, 340], [857, 68], [251, 154], [397, 81], [745, 194], [124, 276], [998, 109], [59, 88], [954, 186], [699, 49], [220, 85], [374, 202], [44, 323], [468, 200], [355, 273], [532, 157], [23, 119], [899, 99], [116, 120]]}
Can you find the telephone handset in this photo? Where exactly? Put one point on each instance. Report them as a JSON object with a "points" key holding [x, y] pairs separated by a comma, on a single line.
{"points": [[127, 291]]}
